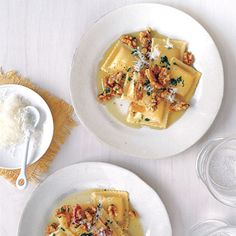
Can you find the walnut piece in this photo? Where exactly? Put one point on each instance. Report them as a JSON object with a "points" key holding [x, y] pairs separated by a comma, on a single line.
{"points": [[138, 90], [129, 40], [112, 210], [178, 106], [145, 38], [164, 77], [51, 228], [113, 86], [188, 58], [155, 101], [158, 76], [132, 213]]}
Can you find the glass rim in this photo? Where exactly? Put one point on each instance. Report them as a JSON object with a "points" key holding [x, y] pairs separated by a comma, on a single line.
{"points": [[205, 177], [221, 224]]}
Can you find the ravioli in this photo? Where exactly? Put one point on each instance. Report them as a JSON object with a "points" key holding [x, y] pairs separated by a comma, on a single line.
{"points": [[131, 79], [119, 199], [106, 219], [139, 114], [119, 59], [189, 76], [167, 47]]}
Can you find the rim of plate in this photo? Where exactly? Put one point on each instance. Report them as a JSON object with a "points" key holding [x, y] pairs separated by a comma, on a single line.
{"points": [[94, 163], [51, 117], [115, 145]]}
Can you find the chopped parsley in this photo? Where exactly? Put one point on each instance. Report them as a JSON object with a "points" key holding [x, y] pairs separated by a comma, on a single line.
{"points": [[129, 78], [165, 61], [129, 69], [86, 234], [107, 90], [174, 63], [179, 79], [147, 87], [175, 82], [147, 119], [62, 229], [135, 52]]}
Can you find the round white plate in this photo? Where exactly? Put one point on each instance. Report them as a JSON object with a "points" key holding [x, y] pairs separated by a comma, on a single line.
{"points": [[83, 176], [12, 159], [146, 142]]}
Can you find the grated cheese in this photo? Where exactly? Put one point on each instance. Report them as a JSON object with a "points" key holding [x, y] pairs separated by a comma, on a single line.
{"points": [[12, 126]]}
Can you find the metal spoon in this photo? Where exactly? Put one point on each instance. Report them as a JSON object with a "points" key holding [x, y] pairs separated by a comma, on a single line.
{"points": [[31, 117]]}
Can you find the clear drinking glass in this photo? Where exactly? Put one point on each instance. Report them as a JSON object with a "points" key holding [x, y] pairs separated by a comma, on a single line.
{"points": [[216, 167], [213, 228]]}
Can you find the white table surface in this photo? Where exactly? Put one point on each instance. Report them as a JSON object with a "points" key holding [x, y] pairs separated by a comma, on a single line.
{"points": [[38, 38]]}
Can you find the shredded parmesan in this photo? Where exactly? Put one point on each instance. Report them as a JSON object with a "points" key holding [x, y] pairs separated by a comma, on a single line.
{"points": [[141, 62], [12, 126], [154, 54], [168, 45]]}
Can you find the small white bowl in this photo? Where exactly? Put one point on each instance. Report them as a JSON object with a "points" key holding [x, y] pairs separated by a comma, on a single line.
{"points": [[13, 159]]}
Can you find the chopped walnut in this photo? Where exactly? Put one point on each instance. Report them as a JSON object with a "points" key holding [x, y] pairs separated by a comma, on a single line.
{"points": [[113, 87], [132, 214], [117, 90], [51, 228], [145, 38], [188, 58], [178, 106], [66, 212], [138, 90], [129, 40], [104, 97], [89, 217], [112, 210], [84, 227], [153, 74], [164, 77], [154, 102]]}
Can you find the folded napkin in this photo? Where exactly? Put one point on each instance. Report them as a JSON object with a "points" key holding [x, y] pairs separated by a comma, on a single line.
{"points": [[63, 122]]}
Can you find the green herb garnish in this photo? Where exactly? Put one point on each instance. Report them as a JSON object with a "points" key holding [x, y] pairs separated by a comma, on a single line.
{"points": [[174, 63], [129, 78], [147, 119], [107, 90], [179, 79], [62, 229], [134, 52], [129, 69], [174, 81], [165, 61], [86, 234]]}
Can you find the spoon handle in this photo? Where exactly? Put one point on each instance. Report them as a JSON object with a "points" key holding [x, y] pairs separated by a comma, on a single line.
{"points": [[22, 182]]}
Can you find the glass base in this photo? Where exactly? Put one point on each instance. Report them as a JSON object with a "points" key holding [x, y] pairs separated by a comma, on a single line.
{"points": [[206, 228]]}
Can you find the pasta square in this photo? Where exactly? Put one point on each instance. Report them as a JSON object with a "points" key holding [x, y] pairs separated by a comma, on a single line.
{"points": [[188, 75], [119, 199], [119, 59]]}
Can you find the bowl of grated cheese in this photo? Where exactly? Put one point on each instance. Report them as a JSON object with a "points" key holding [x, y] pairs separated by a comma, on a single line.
{"points": [[13, 100]]}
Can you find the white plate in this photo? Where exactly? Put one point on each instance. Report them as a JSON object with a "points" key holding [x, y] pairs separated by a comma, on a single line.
{"points": [[146, 142], [12, 159], [83, 176]]}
